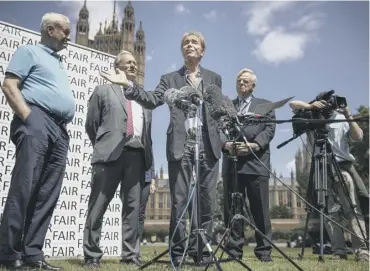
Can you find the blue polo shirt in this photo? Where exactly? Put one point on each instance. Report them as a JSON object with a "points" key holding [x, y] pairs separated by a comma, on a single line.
{"points": [[44, 79]]}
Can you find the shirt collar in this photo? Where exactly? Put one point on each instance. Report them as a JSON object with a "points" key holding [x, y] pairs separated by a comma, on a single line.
{"points": [[197, 74], [247, 99], [49, 50]]}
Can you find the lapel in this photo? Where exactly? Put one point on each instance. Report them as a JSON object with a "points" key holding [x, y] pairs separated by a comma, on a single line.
{"points": [[180, 78], [236, 104], [118, 91], [205, 75], [253, 105]]}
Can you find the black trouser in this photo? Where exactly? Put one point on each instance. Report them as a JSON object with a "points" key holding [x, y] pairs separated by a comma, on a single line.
{"points": [[144, 200], [180, 176], [256, 188], [41, 152], [129, 170]]}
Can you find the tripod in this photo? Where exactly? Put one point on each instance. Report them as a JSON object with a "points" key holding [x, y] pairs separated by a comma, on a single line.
{"points": [[237, 204], [201, 235], [323, 157]]}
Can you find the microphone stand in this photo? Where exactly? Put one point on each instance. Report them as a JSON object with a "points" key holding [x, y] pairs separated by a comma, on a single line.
{"points": [[200, 233], [238, 202]]}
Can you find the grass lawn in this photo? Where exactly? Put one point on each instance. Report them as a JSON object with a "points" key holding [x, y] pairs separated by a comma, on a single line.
{"points": [[309, 262]]}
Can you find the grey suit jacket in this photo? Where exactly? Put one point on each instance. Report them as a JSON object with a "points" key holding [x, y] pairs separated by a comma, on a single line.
{"points": [[106, 125], [176, 130], [260, 133]]}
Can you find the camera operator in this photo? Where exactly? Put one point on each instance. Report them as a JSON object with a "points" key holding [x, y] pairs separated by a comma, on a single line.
{"points": [[339, 136], [252, 176]]}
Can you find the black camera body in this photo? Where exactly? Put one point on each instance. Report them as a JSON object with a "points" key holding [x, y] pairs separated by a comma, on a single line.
{"points": [[334, 101]]}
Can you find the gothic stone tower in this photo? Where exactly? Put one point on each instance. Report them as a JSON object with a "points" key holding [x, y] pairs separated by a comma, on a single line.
{"points": [[112, 40]]}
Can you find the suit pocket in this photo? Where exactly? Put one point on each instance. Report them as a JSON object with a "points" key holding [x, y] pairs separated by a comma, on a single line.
{"points": [[101, 135]]}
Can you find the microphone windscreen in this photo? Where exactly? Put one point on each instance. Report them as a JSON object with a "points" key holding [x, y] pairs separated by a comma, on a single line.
{"points": [[229, 105], [170, 96], [213, 94], [184, 93]]}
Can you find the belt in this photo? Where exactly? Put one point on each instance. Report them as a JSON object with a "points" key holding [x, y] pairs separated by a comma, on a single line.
{"points": [[58, 120]]}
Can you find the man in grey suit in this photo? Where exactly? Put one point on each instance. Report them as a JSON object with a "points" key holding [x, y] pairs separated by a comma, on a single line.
{"points": [[120, 132], [180, 146], [253, 177]]}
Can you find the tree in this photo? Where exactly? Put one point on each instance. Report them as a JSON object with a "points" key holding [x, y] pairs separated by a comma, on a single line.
{"points": [[281, 211], [360, 150]]}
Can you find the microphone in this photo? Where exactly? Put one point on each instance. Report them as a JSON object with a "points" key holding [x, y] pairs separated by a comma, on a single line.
{"points": [[188, 94], [219, 105], [185, 98], [170, 96]]}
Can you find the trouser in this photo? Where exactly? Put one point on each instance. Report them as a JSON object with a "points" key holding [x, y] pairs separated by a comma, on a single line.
{"points": [[129, 170], [254, 189], [144, 200], [340, 205], [180, 177], [41, 152]]}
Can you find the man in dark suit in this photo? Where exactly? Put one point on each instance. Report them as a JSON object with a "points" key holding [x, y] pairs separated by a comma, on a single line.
{"points": [[180, 146], [253, 178], [120, 132]]}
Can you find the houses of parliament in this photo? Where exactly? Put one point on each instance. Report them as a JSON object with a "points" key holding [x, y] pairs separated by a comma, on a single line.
{"points": [[114, 37]]}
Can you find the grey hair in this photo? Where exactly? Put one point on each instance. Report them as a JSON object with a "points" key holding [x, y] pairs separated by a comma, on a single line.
{"points": [[254, 77], [198, 35], [118, 57], [52, 19]]}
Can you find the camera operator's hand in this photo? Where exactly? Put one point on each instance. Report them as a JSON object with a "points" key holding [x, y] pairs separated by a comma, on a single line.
{"points": [[319, 105], [345, 111]]}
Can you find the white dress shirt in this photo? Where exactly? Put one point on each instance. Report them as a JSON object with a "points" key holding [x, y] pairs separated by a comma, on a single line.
{"points": [[138, 123]]}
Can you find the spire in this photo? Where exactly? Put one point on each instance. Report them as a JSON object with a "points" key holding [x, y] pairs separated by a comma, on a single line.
{"points": [[161, 172], [84, 12], [100, 31], [114, 11], [140, 32], [129, 10]]}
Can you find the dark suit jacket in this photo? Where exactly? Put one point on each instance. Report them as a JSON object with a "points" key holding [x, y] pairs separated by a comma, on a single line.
{"points": [[106, 125], [176, 130], [260, 133]]}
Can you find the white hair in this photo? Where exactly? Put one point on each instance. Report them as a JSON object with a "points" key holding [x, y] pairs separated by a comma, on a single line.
{"points": [[249, 71], [53, 19], [118, 57], [196, 34]]}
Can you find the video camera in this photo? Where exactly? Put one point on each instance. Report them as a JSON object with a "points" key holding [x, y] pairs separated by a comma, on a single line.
{"points": [[334, 101]]}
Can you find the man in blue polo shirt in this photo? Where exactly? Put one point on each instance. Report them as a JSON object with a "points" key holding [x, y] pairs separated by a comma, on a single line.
{"points": [[36, 87]]}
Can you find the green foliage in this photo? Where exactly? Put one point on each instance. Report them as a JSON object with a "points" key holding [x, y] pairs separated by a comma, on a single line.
{"points": [[281, 211], [360, 150]]}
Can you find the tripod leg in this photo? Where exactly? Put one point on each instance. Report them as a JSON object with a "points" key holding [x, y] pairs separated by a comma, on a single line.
{"points": [[300, 255], [321, 257], [309, 198], [208, 246], [162, 254], [229, 253], [272, 244]]}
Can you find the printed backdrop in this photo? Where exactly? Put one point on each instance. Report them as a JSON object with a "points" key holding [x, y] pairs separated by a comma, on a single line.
{"points": [[65, 234]]}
